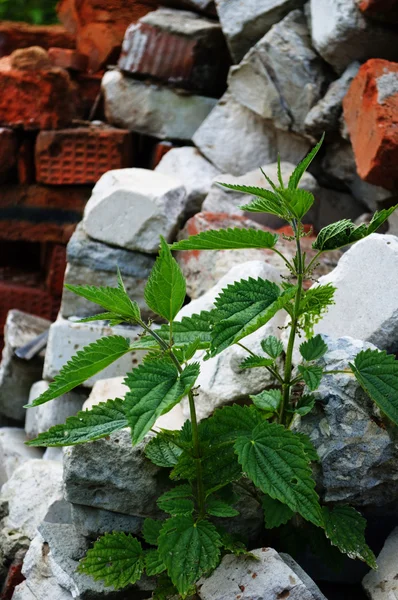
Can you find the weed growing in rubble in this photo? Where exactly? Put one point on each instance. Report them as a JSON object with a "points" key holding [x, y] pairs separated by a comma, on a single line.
{"points": [[252, 447]]}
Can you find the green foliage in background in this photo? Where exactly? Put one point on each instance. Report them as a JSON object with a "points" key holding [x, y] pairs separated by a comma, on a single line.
{"points": [[38, 12]]}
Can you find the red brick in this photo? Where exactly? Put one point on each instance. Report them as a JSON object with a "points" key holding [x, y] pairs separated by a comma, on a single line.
{"points": [[37, 213], [32, 300], [82, 155], [14, 575], [160, 150], [21, 35], [371, 115], [383, 10], [8, 150], [68, 59], [35, 99], [179, 48], [55, 268], [100, 25], [26, 162]]}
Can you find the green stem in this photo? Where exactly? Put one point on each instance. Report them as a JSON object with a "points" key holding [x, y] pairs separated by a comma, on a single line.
{"points": [[293, 330], [271, 370]]}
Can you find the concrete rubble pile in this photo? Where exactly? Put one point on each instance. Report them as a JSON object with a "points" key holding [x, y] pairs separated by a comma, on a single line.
{"points": [[139, 111]]}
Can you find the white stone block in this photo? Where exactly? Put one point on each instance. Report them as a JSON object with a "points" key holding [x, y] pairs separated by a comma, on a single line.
{"points": [[14, 452]]}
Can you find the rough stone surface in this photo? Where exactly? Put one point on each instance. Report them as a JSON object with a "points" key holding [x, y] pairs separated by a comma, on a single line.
{"points": [[131, 208], [16, 375], [112, 475], [366, 299], [345, 35], [383, 583], [14, 452], [221, 381], [281, 77], [237, 140], [325, 115], [94, 263], [358, 454], [29, 492], [68, 337], [92, 522], [197, 56], [268, 577], [339, 165], [370, 112], [41, 418], [244, 24], [153, 110], [194, 171]]}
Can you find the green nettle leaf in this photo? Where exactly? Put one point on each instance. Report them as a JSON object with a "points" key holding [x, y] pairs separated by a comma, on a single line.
{"points": [[377, 372], [189, 549], [275, 460], [266, 202], [272, 346], [87, 426], [151, 531], [305, 405], [185, 332], [164, 588], [218, 508], [299, 201], [252, 362], [87, 362], [163, 451], [244, 307], [312, 375], [345, 232], [116, 558], [177, 501], [153, 563], [314, 348], [165, 290], [155, 387], [275, 512], [114, 300], [313, 305], [303, 166], [113, 319], [231, 422], [228, 239], [345, 528], [308, 446], [268, 400]]}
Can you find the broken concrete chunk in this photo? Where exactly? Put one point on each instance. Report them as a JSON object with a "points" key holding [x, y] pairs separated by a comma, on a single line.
{"points": [[14, 452], [92, 522], [383, 583]]}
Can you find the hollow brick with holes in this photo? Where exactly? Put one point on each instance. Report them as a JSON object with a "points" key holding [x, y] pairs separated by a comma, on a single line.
{"points": [[81, 155]]}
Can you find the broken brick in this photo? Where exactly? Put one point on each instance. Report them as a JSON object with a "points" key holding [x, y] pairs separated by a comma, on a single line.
{"points": [[37, 213], [8, 150], [81, 155], [26, 162], [22, 35], [160, 150], [383, 10], [32, 300], [35, 99], [68, 59], [56, 265], [177, 47], [100, 25], [371, 116]]}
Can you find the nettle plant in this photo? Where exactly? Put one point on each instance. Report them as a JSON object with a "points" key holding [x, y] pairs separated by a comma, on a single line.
{"points": [[252, 447]]}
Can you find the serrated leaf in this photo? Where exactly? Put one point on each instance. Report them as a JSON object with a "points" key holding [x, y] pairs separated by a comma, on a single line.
{"points": [[312, 375], [272, 346], [313, 305], [275, 512], [345, 528], [274, 459], [305, 405], [107, 316], [114, 300], [153, 563], [162, 451], [265, 202], [151, 531], [303, 166], [379, 218], [308, 446], [164, 588], [87, 362], [377, 372], [165, 290], [189, 549], [244, 307], [87, 426], [218, 508], [252, 362], [298, 201], [228, 239], [231, 422], [314, 348], [116, 558], [177, 501], [268, 400], [155, 387], [185, 332]]}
